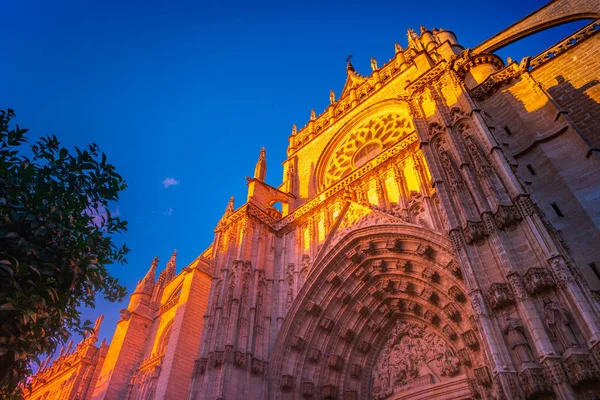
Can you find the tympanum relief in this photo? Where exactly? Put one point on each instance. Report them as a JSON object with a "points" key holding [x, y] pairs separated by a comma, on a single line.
{"points": [[413, 356]]}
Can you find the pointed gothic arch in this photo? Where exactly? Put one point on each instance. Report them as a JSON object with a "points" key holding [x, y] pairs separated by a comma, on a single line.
{"points": [[372, 281]]}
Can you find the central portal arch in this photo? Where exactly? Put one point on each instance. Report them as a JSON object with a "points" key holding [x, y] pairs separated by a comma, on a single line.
{"points": [[382, 315]]}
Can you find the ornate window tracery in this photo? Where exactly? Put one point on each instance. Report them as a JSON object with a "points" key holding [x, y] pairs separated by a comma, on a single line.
{"points": [[364, 143]]}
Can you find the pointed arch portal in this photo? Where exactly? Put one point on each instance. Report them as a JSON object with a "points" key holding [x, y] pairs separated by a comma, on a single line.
{"points": [[382, 315]]}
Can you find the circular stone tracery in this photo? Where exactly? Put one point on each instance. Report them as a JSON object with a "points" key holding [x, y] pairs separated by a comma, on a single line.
{"points": [[364, 143]]}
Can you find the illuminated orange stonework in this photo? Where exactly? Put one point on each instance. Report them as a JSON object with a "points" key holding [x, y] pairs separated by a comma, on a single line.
{"points": [[416, 253]]}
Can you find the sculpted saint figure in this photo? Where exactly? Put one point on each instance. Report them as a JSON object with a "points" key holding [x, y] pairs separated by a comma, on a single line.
{"points": [[559, 323], [516, 338], [373, 64], [331, 97]]}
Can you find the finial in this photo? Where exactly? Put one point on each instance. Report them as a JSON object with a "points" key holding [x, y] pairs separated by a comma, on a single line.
{"points": [[397, 48], [146, 285], [331, 97], [260, 172], [423, 29], [508, 60], [294, 129], [169, 271], [97, 325], [313, 114], [173, 259], [411, 35], [349, 66], [373, 64], [230, 208]]}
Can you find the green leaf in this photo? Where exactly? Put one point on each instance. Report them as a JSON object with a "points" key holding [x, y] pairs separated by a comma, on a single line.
{"points": [[7, 307]]}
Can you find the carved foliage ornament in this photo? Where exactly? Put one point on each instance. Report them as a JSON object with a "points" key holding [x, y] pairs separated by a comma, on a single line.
{"points": [[408, 357]]}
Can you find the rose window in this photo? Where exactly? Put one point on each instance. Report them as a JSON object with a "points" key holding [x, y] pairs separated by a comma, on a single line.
{"points": [[365, 143]]}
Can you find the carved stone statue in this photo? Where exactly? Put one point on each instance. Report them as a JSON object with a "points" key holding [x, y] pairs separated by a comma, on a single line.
{"points": [[559, 323], [516, 338], [294, 129], [331, 97], [373, 64], [397, 48]]}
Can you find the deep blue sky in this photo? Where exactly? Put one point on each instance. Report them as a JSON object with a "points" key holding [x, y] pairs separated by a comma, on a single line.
{"points": [[191, 90]]}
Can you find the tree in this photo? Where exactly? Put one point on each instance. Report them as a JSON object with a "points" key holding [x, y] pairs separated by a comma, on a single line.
{"points": [[56, 241]]}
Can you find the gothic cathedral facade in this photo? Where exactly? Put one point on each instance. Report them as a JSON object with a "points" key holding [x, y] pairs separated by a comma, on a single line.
{"points": [[438, 237]]}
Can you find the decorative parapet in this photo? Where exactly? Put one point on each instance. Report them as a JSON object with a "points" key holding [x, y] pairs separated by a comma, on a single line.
{"points": [[564, 45], [321, 199]]}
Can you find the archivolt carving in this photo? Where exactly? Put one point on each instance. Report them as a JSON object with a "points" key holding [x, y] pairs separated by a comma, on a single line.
{"points": [[412, 356], [364, 143]]}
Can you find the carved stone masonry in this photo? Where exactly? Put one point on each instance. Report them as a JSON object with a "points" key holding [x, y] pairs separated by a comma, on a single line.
{"points": [[335, 362], [456, 293], [580, 368], [424, 250], [448, 331], [326, 324], [360, 308], [385, 310], [500, 295], [363, 346], [533, 382], [334, 279], [258, 366], [376, 292], [378, 265], [559, 323], [451, 311], [538, 280], [329, 392], [346, 333], [343, 296], [470, 339], [518, 288], [474, 231], [431, 317], [517, 341], [483, 376], [307, 389], [553, 370], [287, 382], [464, 356], [298, 343], [355, 370], [506, 216], [313, 308], [314, 354]]}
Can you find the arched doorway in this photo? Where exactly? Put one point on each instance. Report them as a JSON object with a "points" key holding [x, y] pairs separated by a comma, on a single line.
{"points": [[383, 314]]}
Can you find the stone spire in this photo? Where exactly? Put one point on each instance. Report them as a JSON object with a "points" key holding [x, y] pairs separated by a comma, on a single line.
{"points": [[146, 285], [230, 207], [170, 269], [99, 320], [260, 172]]}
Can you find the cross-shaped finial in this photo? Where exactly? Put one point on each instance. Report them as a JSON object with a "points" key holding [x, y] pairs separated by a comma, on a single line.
{"points": [[349, 58]]}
